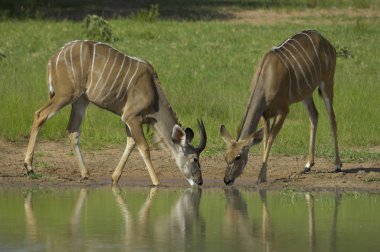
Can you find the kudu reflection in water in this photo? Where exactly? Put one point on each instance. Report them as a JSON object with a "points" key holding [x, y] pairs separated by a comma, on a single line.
{"points": [[181, 229], [47, 240], [237, 221]]}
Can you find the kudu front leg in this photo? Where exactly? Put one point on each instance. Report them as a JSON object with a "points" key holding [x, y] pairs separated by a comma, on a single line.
{"points": [[135, 127], [78, 111], [277, 125]]}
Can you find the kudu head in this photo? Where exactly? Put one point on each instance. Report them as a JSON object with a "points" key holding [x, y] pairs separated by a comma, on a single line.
{"points": [[236, 155], [188, 155]]}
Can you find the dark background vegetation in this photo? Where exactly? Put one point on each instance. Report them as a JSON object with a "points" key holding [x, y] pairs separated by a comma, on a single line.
{"points": [[169, 9]]}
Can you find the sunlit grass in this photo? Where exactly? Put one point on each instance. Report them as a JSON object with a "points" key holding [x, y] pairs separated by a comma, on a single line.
{"points": [[205, 69]]}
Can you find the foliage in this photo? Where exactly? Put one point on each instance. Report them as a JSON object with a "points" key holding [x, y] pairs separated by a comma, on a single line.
{"points": [[150, 15], [205, 69], [98, 28], [343, 52]]}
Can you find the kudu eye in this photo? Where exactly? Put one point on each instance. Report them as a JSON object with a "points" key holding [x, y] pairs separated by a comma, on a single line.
{"points": [[195, 160], [237, 157]]}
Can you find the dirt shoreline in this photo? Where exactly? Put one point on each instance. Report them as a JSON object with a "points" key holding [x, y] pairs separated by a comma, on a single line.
{"points": [[56, 167]]}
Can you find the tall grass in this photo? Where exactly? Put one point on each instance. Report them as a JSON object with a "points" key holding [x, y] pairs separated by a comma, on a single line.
{"points": [[205, 69]]}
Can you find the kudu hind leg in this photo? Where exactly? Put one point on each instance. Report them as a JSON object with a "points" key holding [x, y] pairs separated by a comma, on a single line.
{"points": [[78, 111], [40, 117], [327, 93], [313, 117]]}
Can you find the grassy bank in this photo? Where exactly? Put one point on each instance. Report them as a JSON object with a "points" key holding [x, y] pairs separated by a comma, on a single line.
{"points": [[205, 69]]}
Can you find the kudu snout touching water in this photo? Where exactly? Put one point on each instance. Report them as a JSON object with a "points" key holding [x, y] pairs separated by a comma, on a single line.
{"points": [[287, 74], [87, 71]]}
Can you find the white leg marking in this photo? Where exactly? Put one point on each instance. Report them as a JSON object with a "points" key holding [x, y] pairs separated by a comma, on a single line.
{"points": [[101, 74], [105, 83]]}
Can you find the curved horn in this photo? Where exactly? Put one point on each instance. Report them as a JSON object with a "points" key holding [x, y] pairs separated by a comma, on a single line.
{"points": [[203, 136]]}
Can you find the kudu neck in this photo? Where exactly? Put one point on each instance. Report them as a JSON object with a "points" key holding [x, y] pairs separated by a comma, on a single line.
{"points": [[252, 115], [165, 121]]}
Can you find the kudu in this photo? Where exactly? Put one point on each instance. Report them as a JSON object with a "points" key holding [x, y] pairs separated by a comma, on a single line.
{"points": [[88, 71], [287, 74]]}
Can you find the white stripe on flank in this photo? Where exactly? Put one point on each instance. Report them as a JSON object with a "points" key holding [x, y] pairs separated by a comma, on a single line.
{"points": [[315, 80], [133, 76], [68, 69], [299, 65], [290, 75], [117, 76], [315, 50], [105, 83], [125, 76], [303, 58], [51, 88], [72, 63], [294, 70], [56, 63], [81, 61], [101, 74], [93, 63]]}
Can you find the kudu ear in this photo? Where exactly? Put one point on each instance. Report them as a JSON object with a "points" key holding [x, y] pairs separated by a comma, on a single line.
{"points": [[257, 137], [179, 135], [225, 135], [189, 134]]}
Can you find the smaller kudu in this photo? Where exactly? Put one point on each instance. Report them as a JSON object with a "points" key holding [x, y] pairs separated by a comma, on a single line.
{"points": [[87, 71], [287, 74]]}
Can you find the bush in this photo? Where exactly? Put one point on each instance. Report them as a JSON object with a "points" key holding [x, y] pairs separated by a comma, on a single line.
{"points": [[98, 28]]}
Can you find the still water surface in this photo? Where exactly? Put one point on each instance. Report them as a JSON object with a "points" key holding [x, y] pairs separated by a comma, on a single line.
{"points": [[147, 219]]}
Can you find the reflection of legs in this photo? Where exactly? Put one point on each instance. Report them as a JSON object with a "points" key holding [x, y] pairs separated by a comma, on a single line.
{"points": [[313, 117], [137, 133], [40, 117], [277, 124], [327, 92], [78, 111], [119, 169], [265, 123]]}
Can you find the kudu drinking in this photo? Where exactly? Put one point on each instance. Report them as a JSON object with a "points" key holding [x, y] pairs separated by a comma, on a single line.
{"points": [[287, 74], [88, 71]]}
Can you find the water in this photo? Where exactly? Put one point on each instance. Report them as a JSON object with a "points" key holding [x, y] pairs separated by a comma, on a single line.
{"points": [[147, 219]]}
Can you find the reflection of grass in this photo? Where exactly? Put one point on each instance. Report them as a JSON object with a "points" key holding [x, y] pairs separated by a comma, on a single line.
{"points": [[205, 69]]}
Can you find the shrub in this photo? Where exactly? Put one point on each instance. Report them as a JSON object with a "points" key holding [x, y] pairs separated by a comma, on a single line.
{"points": [[98, 28]]}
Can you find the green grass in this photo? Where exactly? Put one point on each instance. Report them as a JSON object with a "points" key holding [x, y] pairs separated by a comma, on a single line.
{"points": [[205, 69]]}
